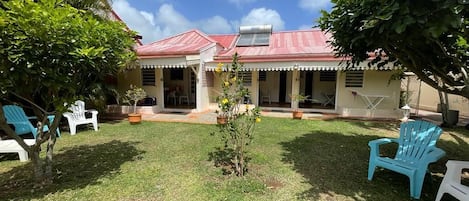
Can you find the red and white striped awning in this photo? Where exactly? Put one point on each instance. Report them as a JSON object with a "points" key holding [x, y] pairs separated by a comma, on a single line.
{"points": [[174, 62], [301, 66]]}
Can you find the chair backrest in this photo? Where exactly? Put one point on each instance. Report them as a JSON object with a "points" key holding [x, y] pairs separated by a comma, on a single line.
{"points": [[14, 113], [416, 138], [78, 110]]}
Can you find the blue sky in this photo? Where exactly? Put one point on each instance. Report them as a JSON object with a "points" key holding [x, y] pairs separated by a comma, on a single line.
{"points": [[157, 19]]}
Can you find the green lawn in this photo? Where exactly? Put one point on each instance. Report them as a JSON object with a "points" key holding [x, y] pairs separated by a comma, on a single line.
{"points": [[289, 160]]}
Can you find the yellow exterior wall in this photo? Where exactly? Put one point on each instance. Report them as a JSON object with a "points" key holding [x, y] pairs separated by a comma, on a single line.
{"points": [[374, 83], [429, 98]]}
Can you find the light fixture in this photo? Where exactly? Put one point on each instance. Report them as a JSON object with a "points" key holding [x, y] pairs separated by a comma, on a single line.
{"points": [[406, 110]]}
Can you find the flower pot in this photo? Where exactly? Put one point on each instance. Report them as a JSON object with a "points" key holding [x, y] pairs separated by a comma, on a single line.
{"points": [[222, 120], [297, 114], [135, 118]]}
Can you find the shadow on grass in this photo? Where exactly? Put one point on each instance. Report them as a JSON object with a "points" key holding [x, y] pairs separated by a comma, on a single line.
{"points": [[76, 167], [386, 124], [336, 166]]}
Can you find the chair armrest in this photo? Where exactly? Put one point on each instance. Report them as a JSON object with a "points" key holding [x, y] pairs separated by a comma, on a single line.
{"points": [[67, 115], [381, 141], [18, 122], [92, 111], [458, 164], [433, 154], [374, 145]]}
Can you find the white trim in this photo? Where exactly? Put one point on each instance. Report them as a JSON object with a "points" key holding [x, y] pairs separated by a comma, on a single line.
{"points": [[175, 62], [302, 66]]}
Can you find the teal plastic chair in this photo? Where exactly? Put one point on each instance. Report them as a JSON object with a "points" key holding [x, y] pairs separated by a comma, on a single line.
{"points": [[15, 115], [416, 150]]}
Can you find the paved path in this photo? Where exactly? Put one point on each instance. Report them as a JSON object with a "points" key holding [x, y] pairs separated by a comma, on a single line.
{"points": [[209, 117]]}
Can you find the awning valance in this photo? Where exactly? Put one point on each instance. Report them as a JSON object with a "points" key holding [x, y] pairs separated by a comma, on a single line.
{"points": [[301, 66], [174, 62]]}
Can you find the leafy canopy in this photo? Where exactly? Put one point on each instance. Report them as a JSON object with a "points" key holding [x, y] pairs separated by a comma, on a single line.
{"points": [[51, 51], [429, 38]]}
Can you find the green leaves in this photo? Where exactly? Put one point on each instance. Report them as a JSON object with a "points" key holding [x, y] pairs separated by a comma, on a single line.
{"points": [[426, 37], [58, 50]]}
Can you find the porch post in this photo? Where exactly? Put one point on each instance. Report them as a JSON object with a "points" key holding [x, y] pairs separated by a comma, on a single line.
{"points": [[160, 89], [255, 88], [295, 86]]}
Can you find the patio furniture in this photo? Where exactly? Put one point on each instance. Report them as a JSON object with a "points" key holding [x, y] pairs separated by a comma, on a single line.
{"points": [[183, 99], [416, 150], [16, 116], [11, 146], [371, 100], [78, 116], [451, 183], [329, 99], [266, 98], [172, 97]]}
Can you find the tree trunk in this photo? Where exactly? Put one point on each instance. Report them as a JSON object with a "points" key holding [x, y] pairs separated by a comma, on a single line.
{"points": [[37, 166], [443, 106]]}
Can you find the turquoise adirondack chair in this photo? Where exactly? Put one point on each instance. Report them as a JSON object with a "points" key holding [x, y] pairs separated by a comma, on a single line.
{"points": [[15, 115], [416, 150]]}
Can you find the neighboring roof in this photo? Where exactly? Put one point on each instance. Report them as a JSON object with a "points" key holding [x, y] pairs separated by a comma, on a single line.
{"points": [[187, 43], [117, 18], [305, 45]]}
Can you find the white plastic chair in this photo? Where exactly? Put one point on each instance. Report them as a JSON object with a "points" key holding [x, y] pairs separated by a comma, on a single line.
{"points": [[451, 183], [266, 98], [78, 116]]}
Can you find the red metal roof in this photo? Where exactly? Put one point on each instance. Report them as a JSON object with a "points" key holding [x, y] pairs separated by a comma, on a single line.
{"points": [[225, 40], [190, 42], [305, 45]]}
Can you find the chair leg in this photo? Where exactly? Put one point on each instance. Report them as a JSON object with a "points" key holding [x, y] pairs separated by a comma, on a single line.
{"points": [[95, 126], [371, 170], [440, 193], [73, 129], [23, 155], [416, 184]]}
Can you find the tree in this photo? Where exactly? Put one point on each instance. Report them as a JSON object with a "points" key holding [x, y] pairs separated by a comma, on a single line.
{"points": [[429, 38], [51, 53], [238, 132]]}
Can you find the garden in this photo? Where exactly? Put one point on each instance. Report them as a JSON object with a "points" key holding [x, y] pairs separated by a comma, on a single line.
{"points": [[287, 160]]}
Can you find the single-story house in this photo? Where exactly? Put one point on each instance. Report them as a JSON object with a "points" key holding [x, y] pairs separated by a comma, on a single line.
{"points": [[179, 72]]}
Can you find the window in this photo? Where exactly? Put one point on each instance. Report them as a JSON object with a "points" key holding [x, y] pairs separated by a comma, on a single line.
{"points": [[247, 77], [325, 76], [262, 75], [354, 79], [177, 74], [148, 77]]}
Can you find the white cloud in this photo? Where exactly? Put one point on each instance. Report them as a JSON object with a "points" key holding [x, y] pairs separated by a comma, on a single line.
{"points": [[240, 2], [314, 5], [216, 24], [166, 21], [305, 27], [142, 22], [260, 16]]}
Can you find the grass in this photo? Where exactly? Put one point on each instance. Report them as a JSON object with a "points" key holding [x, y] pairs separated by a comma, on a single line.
{"points": [[289, 160]]}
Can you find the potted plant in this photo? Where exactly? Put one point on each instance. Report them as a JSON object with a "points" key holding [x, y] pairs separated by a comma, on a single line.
{"points": [[133, 95], [297, 113]]}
